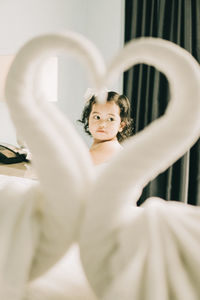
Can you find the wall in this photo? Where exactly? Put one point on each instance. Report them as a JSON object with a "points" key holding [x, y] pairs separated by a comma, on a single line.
{"points": [[21, 20]]}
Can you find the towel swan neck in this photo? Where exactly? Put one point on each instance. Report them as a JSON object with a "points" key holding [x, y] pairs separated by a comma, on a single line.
{"points": [[166, 139]]}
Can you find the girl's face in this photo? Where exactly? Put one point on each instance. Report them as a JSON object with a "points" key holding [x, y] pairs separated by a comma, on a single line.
{"points": [[105, 121]]}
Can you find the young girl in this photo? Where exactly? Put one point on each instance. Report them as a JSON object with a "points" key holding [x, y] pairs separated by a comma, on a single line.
{"points": [[108, 123]]}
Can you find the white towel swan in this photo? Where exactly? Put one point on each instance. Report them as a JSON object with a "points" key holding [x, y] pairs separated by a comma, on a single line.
{"points": [[64, 172], [145, 253], [126, 251]]}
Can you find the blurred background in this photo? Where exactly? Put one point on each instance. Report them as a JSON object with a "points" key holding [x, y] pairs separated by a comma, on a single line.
{"points": [[110, 24], [100, 21]]}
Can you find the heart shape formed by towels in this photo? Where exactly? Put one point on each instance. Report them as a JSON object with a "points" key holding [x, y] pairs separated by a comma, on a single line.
{"points": [[68, 178]]}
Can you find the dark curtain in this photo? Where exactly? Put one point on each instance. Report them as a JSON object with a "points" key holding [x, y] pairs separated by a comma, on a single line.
{"points": [[148, 91]]}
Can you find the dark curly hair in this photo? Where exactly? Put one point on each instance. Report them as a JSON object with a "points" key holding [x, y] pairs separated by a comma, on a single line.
{"points": [[124, 105]]}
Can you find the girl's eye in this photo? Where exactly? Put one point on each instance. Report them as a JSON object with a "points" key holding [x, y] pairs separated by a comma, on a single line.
{"points": [[111, 119], [96, 117]]}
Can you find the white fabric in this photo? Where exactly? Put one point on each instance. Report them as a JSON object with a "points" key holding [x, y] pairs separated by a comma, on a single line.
{"points": [[19, 231], [126, 252], [21, 213], [65, 281], [151, 253]]}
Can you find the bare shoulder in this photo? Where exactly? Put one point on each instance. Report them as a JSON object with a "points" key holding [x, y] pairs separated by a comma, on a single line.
{"points": [[105, 151], [111, 146]]}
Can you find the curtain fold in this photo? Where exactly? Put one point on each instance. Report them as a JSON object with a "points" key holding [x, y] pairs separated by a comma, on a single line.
{"points": [[148, 90]]}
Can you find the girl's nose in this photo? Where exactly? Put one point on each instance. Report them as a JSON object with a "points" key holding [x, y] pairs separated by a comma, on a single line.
{"points": [[102, 121], [102, 125]]}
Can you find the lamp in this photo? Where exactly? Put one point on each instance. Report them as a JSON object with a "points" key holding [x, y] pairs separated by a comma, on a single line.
{"points": [[5, 62], [47, 79]]}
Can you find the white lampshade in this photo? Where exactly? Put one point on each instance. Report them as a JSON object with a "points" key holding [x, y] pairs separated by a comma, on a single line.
{"points": [[48, 77], [5, 62]]}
